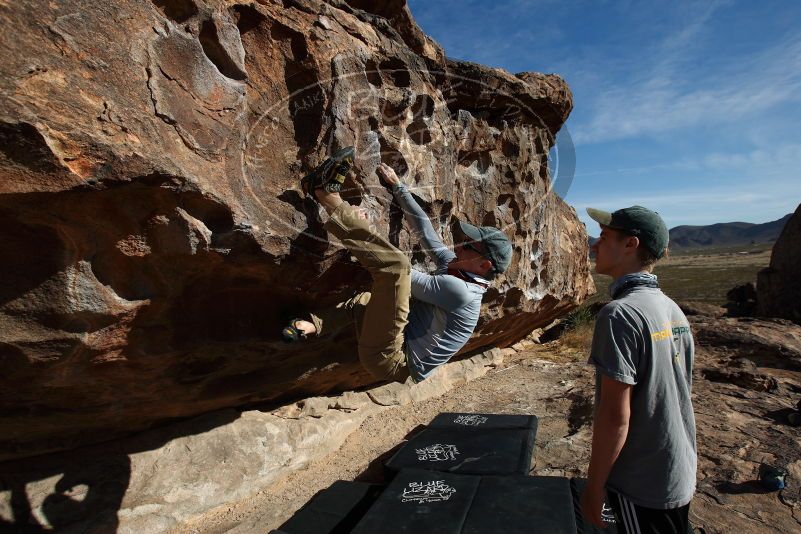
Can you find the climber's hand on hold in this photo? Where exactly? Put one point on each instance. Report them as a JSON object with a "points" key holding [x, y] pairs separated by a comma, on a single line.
{"points": [[387, 174]]}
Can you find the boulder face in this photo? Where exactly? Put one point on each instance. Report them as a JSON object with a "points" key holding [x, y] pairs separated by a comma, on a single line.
{"points": [[153, 239], [778, 285]]}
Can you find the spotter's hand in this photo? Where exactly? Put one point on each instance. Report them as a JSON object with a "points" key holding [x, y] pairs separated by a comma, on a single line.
{"points": [[592, 503], [386, 173]]}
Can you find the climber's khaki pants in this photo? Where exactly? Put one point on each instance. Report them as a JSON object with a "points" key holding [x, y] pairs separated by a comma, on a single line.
{"points": [[381, 314]]}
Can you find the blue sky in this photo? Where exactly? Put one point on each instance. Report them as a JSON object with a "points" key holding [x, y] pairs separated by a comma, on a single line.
{"points": [[689, 108]]}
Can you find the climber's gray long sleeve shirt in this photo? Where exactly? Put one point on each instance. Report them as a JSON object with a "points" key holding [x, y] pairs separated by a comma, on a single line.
{"points": [[444, 309]]}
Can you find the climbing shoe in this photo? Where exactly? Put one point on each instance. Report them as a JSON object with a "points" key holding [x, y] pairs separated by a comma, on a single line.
{"points": [[292, 333], [772, 478], [794, 418], [330, 174]]}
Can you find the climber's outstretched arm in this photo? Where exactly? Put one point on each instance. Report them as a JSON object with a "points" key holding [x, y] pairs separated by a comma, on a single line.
{"points": [[417, 219]]}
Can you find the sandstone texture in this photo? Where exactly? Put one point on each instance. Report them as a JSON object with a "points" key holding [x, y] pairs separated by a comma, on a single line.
{"points": [[779, 285], [153, 239]]}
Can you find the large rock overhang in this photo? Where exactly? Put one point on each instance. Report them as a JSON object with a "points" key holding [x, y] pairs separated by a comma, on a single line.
{"points": [[153, 239]]}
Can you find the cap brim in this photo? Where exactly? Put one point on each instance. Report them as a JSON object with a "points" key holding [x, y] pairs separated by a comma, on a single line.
{"points": [[470, 231], [600, 216]]}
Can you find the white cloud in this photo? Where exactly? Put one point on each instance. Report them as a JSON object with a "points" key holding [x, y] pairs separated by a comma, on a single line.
{"points": [[780, 159], [760, 185], [674, 94], [628, 170]]}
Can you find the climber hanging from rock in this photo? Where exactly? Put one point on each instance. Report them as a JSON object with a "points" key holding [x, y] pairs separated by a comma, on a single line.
{"points": [[410, 322]]}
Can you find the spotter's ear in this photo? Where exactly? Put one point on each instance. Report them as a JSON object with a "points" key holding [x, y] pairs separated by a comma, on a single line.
{"points": [[633, 242]]}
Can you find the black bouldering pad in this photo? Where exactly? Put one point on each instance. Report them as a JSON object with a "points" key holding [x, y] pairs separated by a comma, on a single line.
{"points": [[522, 505], [490, 452], [584, 527], [420, 501], [429, 502], [484, 421], [335, 510]]}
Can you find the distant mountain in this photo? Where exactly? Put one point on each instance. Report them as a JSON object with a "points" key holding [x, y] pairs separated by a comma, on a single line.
{"points": [[723, 234]]}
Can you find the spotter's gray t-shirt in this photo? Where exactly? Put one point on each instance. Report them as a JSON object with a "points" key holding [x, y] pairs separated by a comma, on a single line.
{"points": [[644, 339]]}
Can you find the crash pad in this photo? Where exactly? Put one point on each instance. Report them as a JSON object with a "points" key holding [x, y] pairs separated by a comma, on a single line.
{"points": [[422, 501], [455, 450], [335, 510], [484, 421]]}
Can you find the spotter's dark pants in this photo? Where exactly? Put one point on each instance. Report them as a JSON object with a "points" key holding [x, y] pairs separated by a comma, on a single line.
{"points": [[634, 519]]}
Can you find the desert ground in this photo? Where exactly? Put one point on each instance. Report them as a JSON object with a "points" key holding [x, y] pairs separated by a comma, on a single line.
{"points": [[704, 275]]}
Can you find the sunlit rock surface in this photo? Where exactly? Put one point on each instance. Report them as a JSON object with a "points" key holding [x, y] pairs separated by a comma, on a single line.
{"points": [[779, 285]]}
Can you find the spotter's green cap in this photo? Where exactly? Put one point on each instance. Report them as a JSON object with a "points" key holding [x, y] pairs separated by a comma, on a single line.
{"points": [[641, 222]]}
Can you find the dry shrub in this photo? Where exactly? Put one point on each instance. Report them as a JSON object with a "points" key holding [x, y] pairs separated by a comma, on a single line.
{"points": [[578, 338], [579, 326]]}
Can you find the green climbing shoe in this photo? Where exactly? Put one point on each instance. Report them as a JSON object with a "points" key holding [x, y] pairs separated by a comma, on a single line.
{"points": [[291, 333], [330, 174]]}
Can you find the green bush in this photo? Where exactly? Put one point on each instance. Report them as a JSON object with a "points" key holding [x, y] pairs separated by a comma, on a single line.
{"points": [[579, 317]]}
